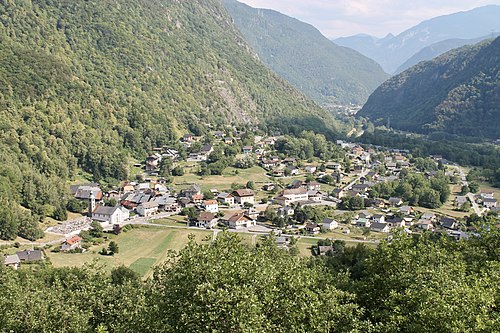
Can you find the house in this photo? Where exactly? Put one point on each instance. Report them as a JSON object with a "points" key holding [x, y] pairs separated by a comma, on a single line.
{"points": [[72, 243], [211, 206], [171, 205], [86, 191], [226, 198], [363, 223], [360, 188], [247, 149], [187, 138], [395, 201], [296, 184], [489, 202], [285, 211], [292, 195], [12, 261], [334, 166], [485, 195], [278, 173], [406, 210], [324, 249], [378, 218], [147, 208], [110, 215], [395, 222], [292, 170], [228, 140], [283, 242], [428, 216], [338, 193], [424, 225], [460, 201], [190, 191], [313, 186], [310, 169], [30, 255], [152, 162], [365, 215], [314, 195], [128, 187], [313, 228], [238, 221], [330, 224], [197, 198], [252, 213], [243, 196], [269, 187], [379, 227], [206, 150], [206, 220], [448, 223]]}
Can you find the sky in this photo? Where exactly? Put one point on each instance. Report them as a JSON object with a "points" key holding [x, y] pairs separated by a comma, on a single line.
{"points": [[337, 18]]}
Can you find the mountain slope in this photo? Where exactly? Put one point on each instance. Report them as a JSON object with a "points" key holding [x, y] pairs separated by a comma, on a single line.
{"points": [[88, 84], [298, 52], [392, 51], [456, 93], [436, 49]]}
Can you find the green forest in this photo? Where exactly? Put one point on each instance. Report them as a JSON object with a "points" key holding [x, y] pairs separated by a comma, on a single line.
{"points": [[427, 283], [90, 85], [456, 93]]}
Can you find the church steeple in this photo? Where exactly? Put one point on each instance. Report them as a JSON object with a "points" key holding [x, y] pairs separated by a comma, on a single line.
{"points": [[92, 204]]}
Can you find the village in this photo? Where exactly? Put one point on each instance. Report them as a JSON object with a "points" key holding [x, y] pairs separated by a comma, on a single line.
{"points": [[268, 191]]}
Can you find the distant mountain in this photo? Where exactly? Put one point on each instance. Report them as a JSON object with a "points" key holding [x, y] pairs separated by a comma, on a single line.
{"points": [[436, 49], [392, 51], [297, 51], [456, 93]]}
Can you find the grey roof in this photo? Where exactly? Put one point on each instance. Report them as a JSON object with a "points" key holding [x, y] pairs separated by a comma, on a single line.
{"points": [[12, 259], [30, 255], [105, 210]]}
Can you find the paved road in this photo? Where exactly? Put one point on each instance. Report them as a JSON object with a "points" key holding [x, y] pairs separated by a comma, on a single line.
{"points": [[362, 174]]}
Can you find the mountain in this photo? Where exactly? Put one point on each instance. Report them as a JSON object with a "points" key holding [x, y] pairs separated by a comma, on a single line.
{"points": [[456, 93], [87, 85], [299, 53], [392, 51], [436, 49]]}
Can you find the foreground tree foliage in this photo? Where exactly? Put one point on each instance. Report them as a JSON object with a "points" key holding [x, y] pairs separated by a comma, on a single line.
{"points": [[227, 287], [414, 285]]}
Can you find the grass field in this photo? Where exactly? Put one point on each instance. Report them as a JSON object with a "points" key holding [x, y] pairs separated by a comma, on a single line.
{"points": [[140, 249]]}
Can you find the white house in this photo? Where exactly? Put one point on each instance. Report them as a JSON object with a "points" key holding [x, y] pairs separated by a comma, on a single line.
{"points": [[226, 198], [211, 206], [71, 243], [238, 221], [206, 220], [147, 208], [330, 224], [110, 215]]}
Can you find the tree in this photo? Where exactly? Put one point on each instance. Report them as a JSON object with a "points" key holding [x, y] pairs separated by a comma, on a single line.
{"points": [[122, 275], [96, 229], [464, 190], [474, 187], [250, 185], [178, 171], [113, 248]]}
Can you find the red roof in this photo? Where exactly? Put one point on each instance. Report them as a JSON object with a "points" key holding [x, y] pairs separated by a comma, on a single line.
{"points": [[74, 240]]}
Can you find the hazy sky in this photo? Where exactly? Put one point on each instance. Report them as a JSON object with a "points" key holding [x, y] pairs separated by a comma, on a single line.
{"points": [[336, 18]]}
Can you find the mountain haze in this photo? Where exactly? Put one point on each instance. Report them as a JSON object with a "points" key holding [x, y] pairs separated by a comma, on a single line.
{"points": [[86, 85], [299, 53], [392, 51], [436, 49], [456, 93]]}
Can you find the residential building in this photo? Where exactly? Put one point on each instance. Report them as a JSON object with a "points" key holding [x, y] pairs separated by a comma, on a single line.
{"points": [[243, 196], [30, 255], [226, 198], [147, 208], [330, 224], [238, 221], [211, 206], [206, 220], [379, 227], [71, 243], [12, 261]]}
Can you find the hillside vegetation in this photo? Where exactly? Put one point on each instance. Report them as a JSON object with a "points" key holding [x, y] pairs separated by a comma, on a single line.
{"points": [[89, 84], [297, 51], [457, 93]]}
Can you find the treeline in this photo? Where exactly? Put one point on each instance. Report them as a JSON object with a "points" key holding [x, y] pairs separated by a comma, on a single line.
{"points": [[416, 189], [411, 284]]}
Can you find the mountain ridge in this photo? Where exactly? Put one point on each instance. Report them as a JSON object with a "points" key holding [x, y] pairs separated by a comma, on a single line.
{"points": [[393, 52], [456, 93], [297, 51]]}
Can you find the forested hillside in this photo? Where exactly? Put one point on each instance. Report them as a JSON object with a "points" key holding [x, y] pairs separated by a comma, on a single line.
{"points": [[457, 93], [322, 70], [412, 285], [88, 84]]}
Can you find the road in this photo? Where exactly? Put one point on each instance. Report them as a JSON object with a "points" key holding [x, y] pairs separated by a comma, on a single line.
{"points": [[470, 195], [362, 174]]}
